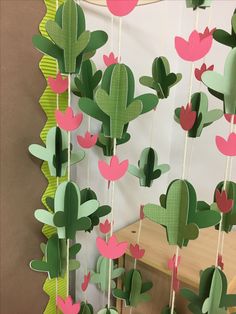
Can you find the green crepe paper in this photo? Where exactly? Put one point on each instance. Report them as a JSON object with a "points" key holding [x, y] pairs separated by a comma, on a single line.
{"points": [[204, 117], [213, 297], [86, 82], [135, 290], [70, 215], [229, 219], [162, 79], [224, 37], [87, 195], [69, 43], [100, 277], [56, 152], [86, 308], [179, 213], [148, 169], [224, 84], [202, 4], [167, 310]]}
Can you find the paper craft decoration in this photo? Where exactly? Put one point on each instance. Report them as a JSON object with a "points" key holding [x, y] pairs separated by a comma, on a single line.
{"points": [[67, 120], [197, 46], [135, 291], [213, 297], [88, 140], [115, 171], [199, 102], [224, 84], [148, 169], [86, 82], [69, 43], [227, 147], [111, 249], [121, 7], [195, 4], [230, 118], [220, 262], [198, 72], [229, 219], [58, 85], [85, 283], [67, 306], [70, 215], [175, 283], [105, 227], [136, 251], [167, 310], [223, 202], [108, 311], [107, 143], [111, 59], [224, 37], [56, 152], [187, 117], [162, 79], [86, 308], [100, 277], [179, 213]]}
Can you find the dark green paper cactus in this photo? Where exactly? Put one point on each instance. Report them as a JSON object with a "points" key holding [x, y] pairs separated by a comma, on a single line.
{"points": [[224, 37], [86, 308], [201, 4]]}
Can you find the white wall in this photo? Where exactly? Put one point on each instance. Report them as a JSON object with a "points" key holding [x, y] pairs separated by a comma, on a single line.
{"points": [[149, 32]]}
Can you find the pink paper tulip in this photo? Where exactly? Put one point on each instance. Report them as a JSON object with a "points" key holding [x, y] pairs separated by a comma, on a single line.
{"points": [[187, 117], [111, 249], [115, 170], [198, 72], [141, 215], [172, 266], [88, 140], [109, 60], [67, 120], [171, 262], [105, 227], [85, 283], [227, 147], [59, 85], [224, 204], [220, 262], [229, 117], [136, 251], [121, 7], [197, 46], [67, 306]]}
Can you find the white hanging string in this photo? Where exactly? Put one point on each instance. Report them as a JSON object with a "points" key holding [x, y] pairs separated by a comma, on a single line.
{"points": [[112, 33], [120, 39]]}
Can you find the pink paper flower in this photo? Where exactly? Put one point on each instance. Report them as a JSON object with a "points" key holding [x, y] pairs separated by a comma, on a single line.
{"points": [[84, 285], [171, 262], [198, 72], [136, 251], [172, 266], [121, 7], [67, 120], [115, 170], [228, 117], [105, 227], [59, 85], [220, 262], [67, 306], [88, 140], [227, 147], [207, 33], [187, 117], [141, 215], [224, 204], [197, 46], [111, 249], [109, 60]]}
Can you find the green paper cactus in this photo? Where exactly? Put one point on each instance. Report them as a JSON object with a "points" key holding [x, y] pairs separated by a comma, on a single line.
{"points": [[201, 4], [148, 169], [100, 277], [86, 308], [56, 152], [135, 291], [111, 310], [204, 117], [162, 79], [224, 37]]}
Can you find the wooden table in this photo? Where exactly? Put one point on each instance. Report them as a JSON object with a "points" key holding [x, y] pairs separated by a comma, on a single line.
{"points": [[199, 254]]}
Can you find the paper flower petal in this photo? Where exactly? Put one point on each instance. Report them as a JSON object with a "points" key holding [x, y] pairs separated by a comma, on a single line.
{"points": [[227, 147], [111, 249], [115, 170], [109, 60], [59, 85], [67, 120], [224, 204], [88, 140], [67, 306], [136, 251]]}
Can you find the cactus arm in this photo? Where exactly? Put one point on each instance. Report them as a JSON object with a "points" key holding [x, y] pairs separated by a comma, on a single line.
{"points": [[44, 216], [163, 168], [212, 116], [55, 33], [136, 296], [74, 265], [149, 102], [40, 266], [147, 81], [88, 208], [156, 174], [40, 152], [117, 272], [59, 219], [77, 156], [90, 107], [82, 224], [135, 171], [133, 111], [97, 40], [156, 213], [74, 250]]}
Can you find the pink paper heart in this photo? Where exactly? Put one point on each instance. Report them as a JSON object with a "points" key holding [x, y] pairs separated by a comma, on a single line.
{"points": [[88, 140], [67, 306], [227, 147], [121, 7], [67, 120], [111, 249], [115, 170], [109, 60], [59, 85]]}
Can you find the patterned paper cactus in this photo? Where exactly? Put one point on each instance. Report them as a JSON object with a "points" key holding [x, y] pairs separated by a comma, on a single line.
{"points": [[135, 291], [195, 4], [148, 169], [162, 79], [224, 37]]}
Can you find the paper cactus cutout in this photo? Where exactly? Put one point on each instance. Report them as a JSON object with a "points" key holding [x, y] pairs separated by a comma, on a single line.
{"points": [[204, 117], [70, 215], [167, 310], [108, 311], [56, 152], [86, 308], [224, 37], [212, 296], [70, 44], [148, 169], [162, 79], [224, 84], [195, 4], [86, 82], [135, 290], [229, 219], [100, 277]]}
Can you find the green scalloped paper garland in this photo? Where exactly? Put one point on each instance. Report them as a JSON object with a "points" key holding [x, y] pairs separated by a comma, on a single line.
{"points": [[48, 67]]}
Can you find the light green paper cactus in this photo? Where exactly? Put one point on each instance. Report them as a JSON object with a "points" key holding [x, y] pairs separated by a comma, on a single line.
{"points": [[195, 4]]}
